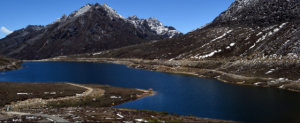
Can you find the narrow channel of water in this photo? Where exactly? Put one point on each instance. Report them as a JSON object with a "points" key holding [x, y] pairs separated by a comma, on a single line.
{"points": [[180, 94]]}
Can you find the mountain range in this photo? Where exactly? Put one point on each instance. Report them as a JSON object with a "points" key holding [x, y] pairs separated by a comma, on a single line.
{"points": [[253, 39], [248, 29], [261, 36], [92, 28]]}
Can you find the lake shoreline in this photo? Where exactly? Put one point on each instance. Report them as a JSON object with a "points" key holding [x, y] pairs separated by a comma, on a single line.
{"points": [[93, 93], [43, 94], [177, 69]]}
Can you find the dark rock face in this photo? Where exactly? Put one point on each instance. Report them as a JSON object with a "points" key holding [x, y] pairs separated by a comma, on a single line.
{"points": [[260, 12], [92, 28]]}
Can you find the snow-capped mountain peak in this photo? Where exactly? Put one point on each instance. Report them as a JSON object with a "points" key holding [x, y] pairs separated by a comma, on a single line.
{"points": [[91, 28], [111, 12], [155, 25], [83, 10]]}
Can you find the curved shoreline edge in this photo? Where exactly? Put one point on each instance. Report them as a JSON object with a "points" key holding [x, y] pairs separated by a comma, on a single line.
{"points": [[178, 69]]}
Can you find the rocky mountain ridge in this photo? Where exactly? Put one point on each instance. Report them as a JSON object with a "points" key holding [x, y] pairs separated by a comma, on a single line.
{"points": [[253, 45], [155, 25], [91, 28], [259, 12], [236, 33]]}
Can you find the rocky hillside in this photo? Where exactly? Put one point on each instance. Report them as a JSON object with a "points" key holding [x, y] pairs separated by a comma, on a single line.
{"points": [[92, 28], [249, 29], [9, 63], [253, 38]]}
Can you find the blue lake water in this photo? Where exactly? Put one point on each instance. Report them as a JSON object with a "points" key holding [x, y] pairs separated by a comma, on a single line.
{"points": [[180, 94]]}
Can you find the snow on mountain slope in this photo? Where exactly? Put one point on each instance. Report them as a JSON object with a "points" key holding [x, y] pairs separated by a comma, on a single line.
{"points": [[155, 25], [111, 12], [248, 29], [83, 10], [261, 12], [92, 28], [63, 18]]}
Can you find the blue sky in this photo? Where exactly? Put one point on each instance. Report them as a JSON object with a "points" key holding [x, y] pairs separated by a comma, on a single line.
{"points": [[184, 15]]}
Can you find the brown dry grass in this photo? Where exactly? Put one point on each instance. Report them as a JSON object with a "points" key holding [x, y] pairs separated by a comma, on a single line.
{"points": [[9, 90], [100, 99]]}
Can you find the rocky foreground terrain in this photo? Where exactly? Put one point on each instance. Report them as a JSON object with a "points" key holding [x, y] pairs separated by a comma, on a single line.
{"points": [[93, 107], [105, 114]]}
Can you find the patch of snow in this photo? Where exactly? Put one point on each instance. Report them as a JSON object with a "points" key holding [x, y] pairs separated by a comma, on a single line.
{"points": [[113, 97], [97, 53], [259, 34], [276, 30], [82, 10], [270, 33], [282, 25], [120, 115], [140, 120], [228, 47], [252, 46], [50, 119], [209, 55], [248, 37], [271, 27], [260, 39], [282, 86], [111, 12], [232, 44], [286, 42], [22, 93], [258, 83], [221, 35], [270, 71]]}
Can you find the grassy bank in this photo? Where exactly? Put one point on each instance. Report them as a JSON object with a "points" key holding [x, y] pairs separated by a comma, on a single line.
{"points": [[111, 96], [9, 91]]}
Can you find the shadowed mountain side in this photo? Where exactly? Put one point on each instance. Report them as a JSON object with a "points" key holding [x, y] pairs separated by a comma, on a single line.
{"points": [[90, 29]]}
